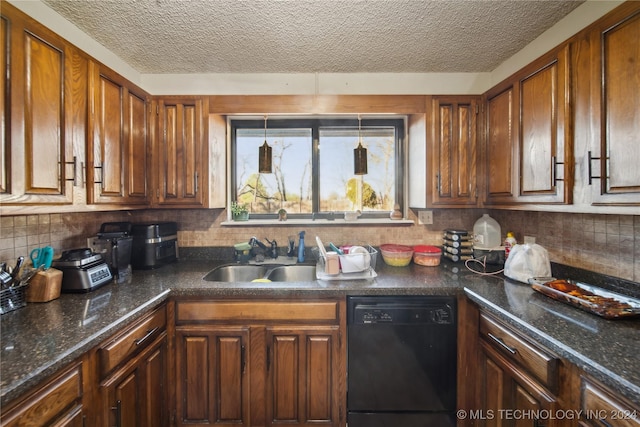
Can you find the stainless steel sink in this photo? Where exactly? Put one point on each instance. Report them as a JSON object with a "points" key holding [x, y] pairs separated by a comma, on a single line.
{"points": [[274, 273], [236, 273], [293, 273]]}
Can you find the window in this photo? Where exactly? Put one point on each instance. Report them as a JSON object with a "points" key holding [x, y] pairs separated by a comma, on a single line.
{"points": [[313, 170]]}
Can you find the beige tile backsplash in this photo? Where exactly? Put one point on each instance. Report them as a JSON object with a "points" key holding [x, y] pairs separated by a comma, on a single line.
{"points": [[608, 244]]}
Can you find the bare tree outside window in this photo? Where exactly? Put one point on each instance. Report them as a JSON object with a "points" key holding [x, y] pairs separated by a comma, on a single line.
{"points": [[313, 166]]}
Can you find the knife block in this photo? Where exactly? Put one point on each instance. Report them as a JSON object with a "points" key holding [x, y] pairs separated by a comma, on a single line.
{"points": [[44, 286]]}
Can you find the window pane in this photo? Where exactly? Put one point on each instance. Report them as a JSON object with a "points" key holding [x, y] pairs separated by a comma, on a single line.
{"points": [[289, 186], [340, 189]]}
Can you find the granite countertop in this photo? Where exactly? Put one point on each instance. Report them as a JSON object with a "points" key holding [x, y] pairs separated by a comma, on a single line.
{"points": [[39, 339]]}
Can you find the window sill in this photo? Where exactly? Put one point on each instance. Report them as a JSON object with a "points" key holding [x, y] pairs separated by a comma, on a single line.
{"points": [[318, 222]]}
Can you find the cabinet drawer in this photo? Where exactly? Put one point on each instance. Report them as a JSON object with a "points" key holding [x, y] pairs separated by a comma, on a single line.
{"points": [[131, 340], [601, 408], [189, 311], [537, 361], [51, 402]]}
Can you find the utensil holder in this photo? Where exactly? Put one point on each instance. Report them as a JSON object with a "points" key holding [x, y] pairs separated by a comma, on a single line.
{"points": [[45, 286], [12, 298]]}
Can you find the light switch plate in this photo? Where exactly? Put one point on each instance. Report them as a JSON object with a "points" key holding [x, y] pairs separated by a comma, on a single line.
{"points": [[529, 239], [425, 217]]}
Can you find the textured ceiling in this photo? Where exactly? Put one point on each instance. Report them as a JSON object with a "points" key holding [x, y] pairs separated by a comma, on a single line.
{"points": [[308, 36]]}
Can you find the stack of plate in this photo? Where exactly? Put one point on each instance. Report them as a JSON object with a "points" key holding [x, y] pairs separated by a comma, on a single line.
{"points": [[457, 245]]}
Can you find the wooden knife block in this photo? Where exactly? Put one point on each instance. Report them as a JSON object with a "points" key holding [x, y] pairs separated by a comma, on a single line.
{"points": [[44, 286]]}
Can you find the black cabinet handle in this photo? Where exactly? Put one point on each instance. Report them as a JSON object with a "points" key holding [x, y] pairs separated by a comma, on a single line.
{"points": [[268, 357], [147, 335], [502, 343], [75, 170], [605, 423], [554, 170], [243, 360], [118, 409], [590, 167]]}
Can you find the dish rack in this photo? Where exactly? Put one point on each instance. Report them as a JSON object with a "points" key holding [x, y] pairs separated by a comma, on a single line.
{"points": [[367, 273], [13, 298]]}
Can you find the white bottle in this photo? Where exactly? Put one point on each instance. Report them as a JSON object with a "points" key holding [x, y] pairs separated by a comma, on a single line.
{"points": [[509, 242], [486, 232]]}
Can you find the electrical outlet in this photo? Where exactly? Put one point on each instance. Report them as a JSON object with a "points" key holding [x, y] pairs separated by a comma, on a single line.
{"points": [[529, 239], [425, 217]]}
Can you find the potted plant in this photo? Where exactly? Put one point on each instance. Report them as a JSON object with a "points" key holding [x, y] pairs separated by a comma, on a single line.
{"points": [[239, 211]]}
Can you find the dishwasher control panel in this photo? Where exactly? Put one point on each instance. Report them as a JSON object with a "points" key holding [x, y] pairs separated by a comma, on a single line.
{"points": [[435, 312]]}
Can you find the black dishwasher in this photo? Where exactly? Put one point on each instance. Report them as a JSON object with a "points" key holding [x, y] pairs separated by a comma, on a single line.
{"points": [[401, 368]]}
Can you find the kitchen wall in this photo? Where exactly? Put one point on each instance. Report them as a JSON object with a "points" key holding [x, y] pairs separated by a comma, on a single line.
{"points": [[608, 244]]}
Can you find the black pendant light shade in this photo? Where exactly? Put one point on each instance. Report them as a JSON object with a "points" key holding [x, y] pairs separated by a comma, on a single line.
{"points": [[265, 158], [360, 160], [264, 153], [359, 155]]}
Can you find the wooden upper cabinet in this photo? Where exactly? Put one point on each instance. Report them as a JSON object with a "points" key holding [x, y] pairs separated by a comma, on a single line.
{"points": [[181, 152], [529, 144], [118, 145], [615, 105], [452, 151], [43, 112]]}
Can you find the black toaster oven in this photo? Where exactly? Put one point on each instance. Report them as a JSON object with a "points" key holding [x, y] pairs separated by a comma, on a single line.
{"points": [[154, 244]]}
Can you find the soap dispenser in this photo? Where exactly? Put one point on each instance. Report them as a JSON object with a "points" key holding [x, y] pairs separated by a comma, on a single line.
{"points": [[301, 247]]}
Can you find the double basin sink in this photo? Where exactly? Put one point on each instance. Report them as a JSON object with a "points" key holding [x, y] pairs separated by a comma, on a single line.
{"points": [[272, 273]]}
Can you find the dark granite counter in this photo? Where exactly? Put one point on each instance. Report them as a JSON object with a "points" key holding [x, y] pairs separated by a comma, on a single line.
{"points": [[39, 339]]}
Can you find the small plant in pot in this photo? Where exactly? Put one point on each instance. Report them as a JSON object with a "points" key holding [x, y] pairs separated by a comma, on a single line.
{"points": [[239, 211]]}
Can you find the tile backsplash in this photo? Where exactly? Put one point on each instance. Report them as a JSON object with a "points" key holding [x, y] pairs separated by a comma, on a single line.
{"points": [[607, 244]]}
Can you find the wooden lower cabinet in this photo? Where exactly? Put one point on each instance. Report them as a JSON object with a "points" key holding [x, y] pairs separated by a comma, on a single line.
{"points": [[213, 386], [263, 363], [301, 375], [59, 401], [134, 395], [601, 407], [519, 382], [511, 397], [132, 377]]}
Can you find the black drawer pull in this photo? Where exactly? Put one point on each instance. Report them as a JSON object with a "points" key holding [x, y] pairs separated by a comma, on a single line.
{"points": [[502, 343], [147, 335]]}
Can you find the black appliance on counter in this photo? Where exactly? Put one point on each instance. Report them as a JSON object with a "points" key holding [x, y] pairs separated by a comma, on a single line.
{"points": [[114, 243], [401, 363], [82, 270], [154, 244]]}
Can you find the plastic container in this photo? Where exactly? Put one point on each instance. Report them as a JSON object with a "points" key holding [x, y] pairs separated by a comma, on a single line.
{"points": [[486, 232], [396, 255], [427, 255], [508, 244]]}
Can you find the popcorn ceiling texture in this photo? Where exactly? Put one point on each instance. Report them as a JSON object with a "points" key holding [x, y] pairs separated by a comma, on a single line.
{"points": [[608, 244], [309, 36]]}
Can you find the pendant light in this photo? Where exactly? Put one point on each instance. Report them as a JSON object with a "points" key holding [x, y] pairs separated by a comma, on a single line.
{"points": [[264, 153], [359, 154]]}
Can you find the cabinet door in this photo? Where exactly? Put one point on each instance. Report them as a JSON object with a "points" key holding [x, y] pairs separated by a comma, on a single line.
{"points": [[117, 152], [43, 111], [529, 154], [135, 395], [510, 397], [181, 151], [452, 151], [302, 376], [213, 376], [499, 156], [615, 85]]}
